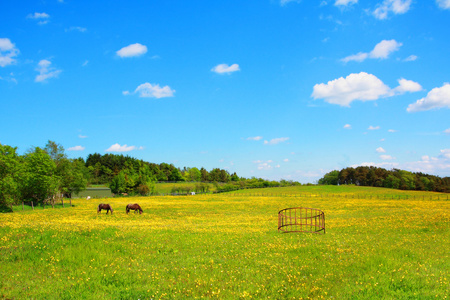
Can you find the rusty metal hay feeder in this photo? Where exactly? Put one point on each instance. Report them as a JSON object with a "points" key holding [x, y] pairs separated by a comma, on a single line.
{"points": [[301, 219]]}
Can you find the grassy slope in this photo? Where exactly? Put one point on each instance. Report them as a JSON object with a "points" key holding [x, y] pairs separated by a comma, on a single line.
{"points": [[227, 246]]}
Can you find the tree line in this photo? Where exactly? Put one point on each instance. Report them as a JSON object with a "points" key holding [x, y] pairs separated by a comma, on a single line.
{"points": [[379, 177], [45, 175], [125, 174]]}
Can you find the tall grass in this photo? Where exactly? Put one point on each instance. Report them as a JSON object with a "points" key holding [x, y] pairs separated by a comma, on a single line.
{"points": [[227, 246]]}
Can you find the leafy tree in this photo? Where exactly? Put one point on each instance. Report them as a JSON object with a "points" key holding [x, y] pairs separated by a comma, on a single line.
{"points": [[72, 174], [175, 175], [391, 182], [117, 184], [331, 178], [40, 180], [10, 175], [204, 175], [234, 177], [194, 174]]}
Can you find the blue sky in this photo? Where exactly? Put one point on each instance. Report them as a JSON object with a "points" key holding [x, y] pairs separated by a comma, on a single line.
{"points": [[266, 88]]}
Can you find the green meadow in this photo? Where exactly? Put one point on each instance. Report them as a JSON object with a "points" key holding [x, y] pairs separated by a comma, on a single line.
{"points": [[379, 244]]}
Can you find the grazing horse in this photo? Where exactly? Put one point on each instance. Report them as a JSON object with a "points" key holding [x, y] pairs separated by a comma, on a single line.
{"points": [[134, 207], [104, 206]]}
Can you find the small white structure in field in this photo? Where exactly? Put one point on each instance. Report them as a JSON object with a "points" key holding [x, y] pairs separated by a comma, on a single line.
{"points": [[88, 197], [192, 193]]}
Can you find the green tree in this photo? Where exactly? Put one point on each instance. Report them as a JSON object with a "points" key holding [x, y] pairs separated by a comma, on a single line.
{"points": [[40, 180], [331, 178], [10, 175], [117, 184], [175, 175], [194, 174], [391, 182]]}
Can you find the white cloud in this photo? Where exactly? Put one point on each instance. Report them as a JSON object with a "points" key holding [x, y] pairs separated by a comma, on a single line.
{"points": [[411, 58], [7, 52], [132, 50], [347, 126], [386, 157], [37, 15], [224, 68], [254, 138], [276, 141], [82, 136], [384, 48], [345, 2], [407, 86], [392, 130], [380, 150], [435, 99], [85, 63], [373, 127], [286, 160], [41, 17], [76, 148], [394, 6], [45, 71], [361, 56], [444, 4], [447, 131], [148, 90], [381, 51], [118, 148], [342, 91], [361, 86]]}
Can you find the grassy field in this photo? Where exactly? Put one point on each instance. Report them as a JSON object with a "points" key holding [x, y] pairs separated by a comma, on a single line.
{"points": [[227, 246]]}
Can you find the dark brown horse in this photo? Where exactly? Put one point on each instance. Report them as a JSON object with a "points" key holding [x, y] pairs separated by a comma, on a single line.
{"points": [[134, 207], [104, 206]]}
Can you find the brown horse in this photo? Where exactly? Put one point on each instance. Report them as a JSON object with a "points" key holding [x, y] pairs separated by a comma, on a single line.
{"points": [[134, 207], [107, 207]]}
